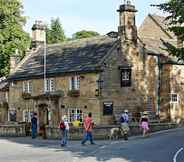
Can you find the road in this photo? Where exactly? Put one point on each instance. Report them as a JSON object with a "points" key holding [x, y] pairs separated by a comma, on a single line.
{"points": [[164, 146]]}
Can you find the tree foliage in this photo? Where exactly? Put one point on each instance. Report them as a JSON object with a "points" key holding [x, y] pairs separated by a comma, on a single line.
{"points": [[175, 19], [12, 35], [85, 34], [55, 32]]}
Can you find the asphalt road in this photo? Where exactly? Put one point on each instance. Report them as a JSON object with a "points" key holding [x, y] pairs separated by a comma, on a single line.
{"points": [[164, 146]]}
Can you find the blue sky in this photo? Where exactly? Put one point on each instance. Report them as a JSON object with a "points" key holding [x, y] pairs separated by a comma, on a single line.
{"points": [[75, 15]]}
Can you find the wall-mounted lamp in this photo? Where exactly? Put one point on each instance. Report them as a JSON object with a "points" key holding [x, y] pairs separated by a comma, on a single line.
{"points": [[82, 76], [62, 106]]}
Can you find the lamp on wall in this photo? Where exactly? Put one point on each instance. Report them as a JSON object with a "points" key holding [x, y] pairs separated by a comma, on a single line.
{"points": [[82, 76], [62, 106]]}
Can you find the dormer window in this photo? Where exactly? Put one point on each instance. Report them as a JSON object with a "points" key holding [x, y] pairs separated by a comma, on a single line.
{"points": [[49, 85], [27, 87], [74, 83], [126, 77]]}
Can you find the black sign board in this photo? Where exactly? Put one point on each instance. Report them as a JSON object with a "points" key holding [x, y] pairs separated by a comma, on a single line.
{"points": [[108, 108]]}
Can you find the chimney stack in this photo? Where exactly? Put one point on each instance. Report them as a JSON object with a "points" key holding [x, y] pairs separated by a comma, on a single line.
{"points": [[127, 28], [38, 34], [14, 60]]}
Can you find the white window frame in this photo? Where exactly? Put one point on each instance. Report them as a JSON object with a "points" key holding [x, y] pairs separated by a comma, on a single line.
{"points": [[174, 98], [49, 85], [74, 83], [125, 76], [27, 86], [29, 116], [73, 114]]}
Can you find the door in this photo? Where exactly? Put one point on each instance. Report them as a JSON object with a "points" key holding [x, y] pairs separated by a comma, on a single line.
{"points": [[43, 118]]}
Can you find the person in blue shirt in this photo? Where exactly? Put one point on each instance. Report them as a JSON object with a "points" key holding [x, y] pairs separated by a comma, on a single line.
{"points": [[34, 125], [124, 124]]}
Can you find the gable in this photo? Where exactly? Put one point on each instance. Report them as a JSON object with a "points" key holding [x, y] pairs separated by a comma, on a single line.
{"points": [[154, 27]]}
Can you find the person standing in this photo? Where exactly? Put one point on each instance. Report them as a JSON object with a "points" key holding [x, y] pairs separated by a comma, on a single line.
{"points": [[64, 130], [124, 124], [144, 125], [34, 125], [88, 126]]}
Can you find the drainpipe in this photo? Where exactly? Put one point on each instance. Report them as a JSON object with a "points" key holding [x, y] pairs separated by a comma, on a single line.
{"points": [[159, 67], [158, 84]]}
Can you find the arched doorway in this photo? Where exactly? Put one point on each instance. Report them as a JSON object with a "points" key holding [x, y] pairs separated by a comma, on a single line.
{"points": [[43, 118]]}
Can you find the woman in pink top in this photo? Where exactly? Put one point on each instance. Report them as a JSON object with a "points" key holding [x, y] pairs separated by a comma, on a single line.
{"points": [[88, 125]]}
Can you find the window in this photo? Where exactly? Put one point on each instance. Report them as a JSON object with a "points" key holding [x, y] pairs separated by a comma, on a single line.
{"points": [[49, 85], [12, 115], [174, 98], [74, 114], [125, 77], [27, 116], [74, 83], [27, 86]]}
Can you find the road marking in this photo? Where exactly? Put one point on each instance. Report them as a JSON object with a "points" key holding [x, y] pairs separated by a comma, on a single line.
{"points": [[177, 153]]}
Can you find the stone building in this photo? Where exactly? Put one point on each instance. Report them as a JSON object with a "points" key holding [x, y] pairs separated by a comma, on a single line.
{"points": [[3, 100], [103, 75]]}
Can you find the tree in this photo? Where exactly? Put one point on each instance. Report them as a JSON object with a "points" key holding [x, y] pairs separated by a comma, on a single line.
{"points": [[84, 34], [12, 35], [175, 19], [55, 33]]}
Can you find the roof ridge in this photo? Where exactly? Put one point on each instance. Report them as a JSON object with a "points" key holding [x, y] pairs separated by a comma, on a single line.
{"points": [[78, 40]]}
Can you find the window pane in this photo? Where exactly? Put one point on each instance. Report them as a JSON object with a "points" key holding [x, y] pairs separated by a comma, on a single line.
{"points": [[125, 77]]}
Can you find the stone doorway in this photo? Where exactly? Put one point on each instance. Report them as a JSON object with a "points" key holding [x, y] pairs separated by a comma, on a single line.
{"points": [[43, 119]]}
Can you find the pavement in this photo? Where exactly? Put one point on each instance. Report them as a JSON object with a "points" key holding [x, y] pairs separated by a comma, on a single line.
{"points": [[164, 146]]}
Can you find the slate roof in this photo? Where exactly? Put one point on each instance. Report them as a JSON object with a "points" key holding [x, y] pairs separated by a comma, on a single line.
{"points": [[156, 46], [83, 55], [162, 22]]}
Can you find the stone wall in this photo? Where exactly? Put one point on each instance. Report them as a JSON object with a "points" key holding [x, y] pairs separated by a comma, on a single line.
{"points": [[102, 132], [177, 87], [86, 101], [12, 130]]}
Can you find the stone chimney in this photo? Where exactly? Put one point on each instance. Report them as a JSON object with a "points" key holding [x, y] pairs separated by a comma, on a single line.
{"points": [[127, 28], [14, 60], [38, 34]]}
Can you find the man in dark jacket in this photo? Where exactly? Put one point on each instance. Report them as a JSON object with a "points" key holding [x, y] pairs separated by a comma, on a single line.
{"points": [[34, 125]]}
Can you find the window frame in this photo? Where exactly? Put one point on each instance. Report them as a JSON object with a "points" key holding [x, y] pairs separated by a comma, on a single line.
{"points": [[73, 113], [49, 85], [27, 86], [126, 77], [174, 99], [74, 82]]}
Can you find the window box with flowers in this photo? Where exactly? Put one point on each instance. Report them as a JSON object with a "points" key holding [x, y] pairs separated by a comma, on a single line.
{"points": [[74, 93], [26, 95]]}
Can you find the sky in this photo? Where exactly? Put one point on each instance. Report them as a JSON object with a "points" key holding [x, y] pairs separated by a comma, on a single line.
{"points": [[76, 15]]}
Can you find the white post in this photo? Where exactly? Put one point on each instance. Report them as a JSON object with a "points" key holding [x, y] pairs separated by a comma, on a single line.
{"points": [[45, 63]]}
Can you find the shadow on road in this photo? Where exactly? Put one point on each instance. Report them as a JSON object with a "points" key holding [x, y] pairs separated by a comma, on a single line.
{"points": [[137, 149]]}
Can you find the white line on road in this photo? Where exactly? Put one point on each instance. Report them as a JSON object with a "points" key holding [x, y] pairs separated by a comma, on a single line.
{"points": [[177, 153]]}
